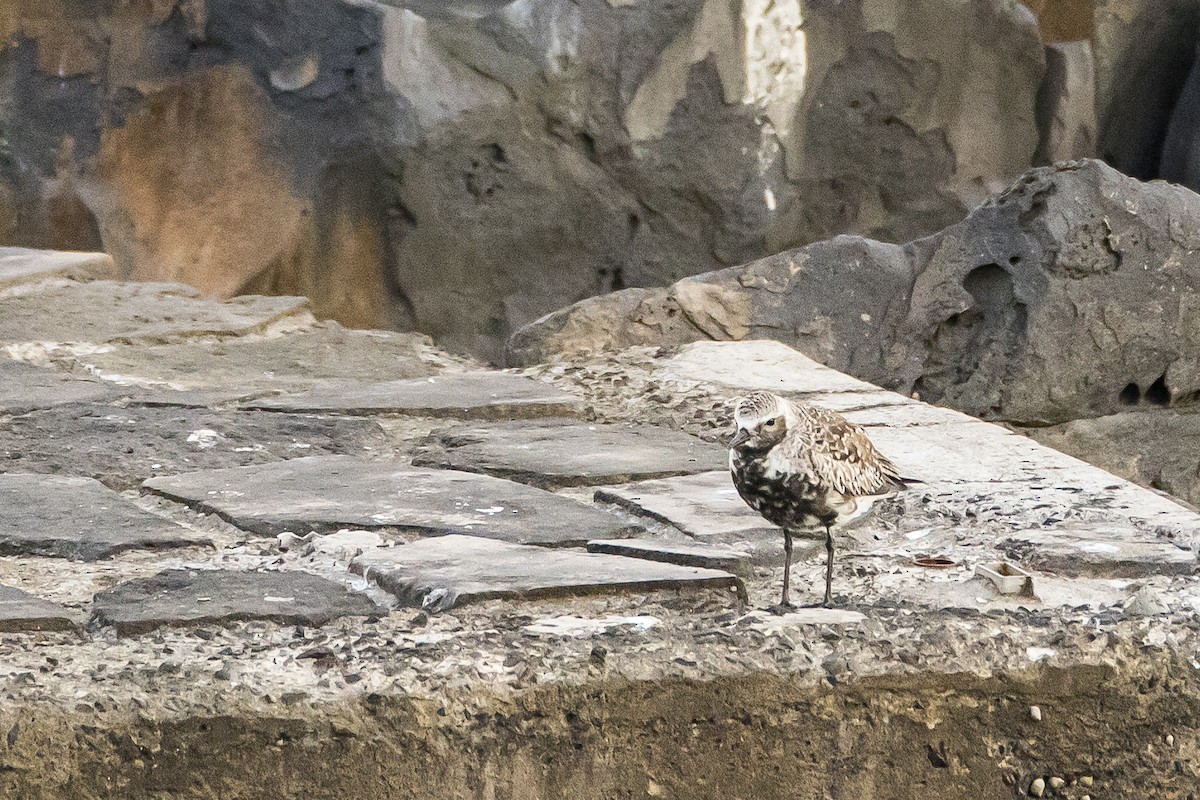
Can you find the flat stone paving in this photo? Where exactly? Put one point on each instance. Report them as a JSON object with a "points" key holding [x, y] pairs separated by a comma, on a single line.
{"points": [[19, 265], [124, 446], [454, 570], [557, 453], [182, 597], [331, 492], [467, 395], [78, 518], [249, 366], [104, 311], [704, 506], [21, 611], [1112, 562], [25, 388], [1079, 550]]}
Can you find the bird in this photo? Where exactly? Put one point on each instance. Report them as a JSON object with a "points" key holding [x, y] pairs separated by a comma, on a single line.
{"points": [[804, 468]]}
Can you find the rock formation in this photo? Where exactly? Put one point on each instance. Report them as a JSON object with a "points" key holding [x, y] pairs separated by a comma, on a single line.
{"points": [[1070, 295], [463, 168]]}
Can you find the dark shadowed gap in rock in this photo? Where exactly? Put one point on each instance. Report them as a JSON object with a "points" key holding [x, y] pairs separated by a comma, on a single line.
{"points": [[970, 346], [1158, 393], [1131, 394], [1152, 119]]}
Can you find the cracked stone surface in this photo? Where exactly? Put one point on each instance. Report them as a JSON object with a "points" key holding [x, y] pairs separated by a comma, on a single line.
{"points": [[558, 453], [454, 570], [21, 611], [19, 265], [183, 597], [25, 388], [124, 446], [78, 518], [469, 395], [104, 311], [331, 492]]}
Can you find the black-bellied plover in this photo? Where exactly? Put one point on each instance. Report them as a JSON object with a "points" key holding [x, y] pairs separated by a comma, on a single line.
{"points": [[803, 467]]}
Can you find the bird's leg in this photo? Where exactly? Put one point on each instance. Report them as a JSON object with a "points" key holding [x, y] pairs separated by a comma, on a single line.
{"points": [[828, 601], [785, 604], [828, 565]]}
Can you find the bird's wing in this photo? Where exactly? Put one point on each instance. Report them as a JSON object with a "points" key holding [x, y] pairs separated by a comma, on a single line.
{"points": [[841, 456]]}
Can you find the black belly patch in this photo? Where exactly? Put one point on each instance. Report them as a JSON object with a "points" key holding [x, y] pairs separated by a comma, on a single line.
{"points": [[789, 501]]}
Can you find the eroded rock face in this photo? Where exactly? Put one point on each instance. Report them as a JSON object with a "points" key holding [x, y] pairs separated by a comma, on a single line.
{"points": [[462, 169], [1009, 314]]}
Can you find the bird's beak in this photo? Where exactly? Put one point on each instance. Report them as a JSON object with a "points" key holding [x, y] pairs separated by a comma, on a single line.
{"points": [[741, 437]]}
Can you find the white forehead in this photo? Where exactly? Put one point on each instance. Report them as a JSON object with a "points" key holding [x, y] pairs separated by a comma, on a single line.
{"points": [[748, 417]]}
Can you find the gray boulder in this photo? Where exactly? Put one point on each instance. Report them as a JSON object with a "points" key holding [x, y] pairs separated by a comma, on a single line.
{"points": [[1069, 295]]}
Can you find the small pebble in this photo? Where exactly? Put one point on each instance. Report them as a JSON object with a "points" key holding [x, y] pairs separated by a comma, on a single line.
{"points": [[1036, 713], [1085, 780], [1170, 740], [1037, 788], [1057, 783]]}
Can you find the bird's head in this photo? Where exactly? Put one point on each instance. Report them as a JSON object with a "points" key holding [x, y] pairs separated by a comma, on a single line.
{"points": [[761, 420]]}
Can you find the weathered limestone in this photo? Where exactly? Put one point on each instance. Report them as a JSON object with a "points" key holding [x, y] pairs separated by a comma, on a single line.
{"points": [[147, 313], [122, 447], [21, 611], [470, 395], [450, 571], [191, 597], [330, 492], [557, 453], [78, 518], [25, 388], [19, 265]]}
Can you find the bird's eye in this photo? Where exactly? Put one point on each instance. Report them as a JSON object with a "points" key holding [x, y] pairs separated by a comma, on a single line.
{"points": [[769, 423]]}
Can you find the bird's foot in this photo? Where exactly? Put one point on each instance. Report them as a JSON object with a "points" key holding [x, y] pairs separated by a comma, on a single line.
{"points": [[782, 608], [822, 604]]}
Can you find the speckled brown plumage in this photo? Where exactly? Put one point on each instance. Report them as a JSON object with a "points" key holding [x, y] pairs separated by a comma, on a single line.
{"points": [[804, 467]]}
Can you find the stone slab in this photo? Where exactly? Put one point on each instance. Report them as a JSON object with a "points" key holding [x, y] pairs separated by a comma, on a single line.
{"points": [[333, 492], [25, 388], [106, 311], [21, 611], [121, 447], [688, 555], [758, 365], [704, 506], [252, 367], [454, 570], [467, 395], [19, 265], [1098, 550], [183, 597], [558, 453], [78, 518]]}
